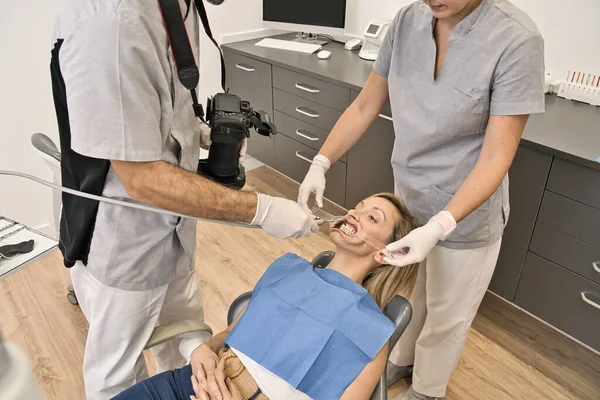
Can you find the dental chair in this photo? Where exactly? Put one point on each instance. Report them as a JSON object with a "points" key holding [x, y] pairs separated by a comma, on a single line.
{"points": [[399, 310]]}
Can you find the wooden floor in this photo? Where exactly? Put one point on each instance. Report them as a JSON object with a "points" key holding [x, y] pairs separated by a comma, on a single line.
{"points": [[508, 355]]}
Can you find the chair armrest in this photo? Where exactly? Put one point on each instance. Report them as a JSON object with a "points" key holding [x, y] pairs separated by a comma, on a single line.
{"points": [[162, 333], [236, 307], [399, 311], [45, 145]]}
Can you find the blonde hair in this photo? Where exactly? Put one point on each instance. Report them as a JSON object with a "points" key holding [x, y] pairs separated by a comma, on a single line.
{"points": [[386, 281]]}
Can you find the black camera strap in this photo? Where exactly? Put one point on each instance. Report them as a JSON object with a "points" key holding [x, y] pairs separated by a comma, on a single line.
{"points": [[187, 69]]}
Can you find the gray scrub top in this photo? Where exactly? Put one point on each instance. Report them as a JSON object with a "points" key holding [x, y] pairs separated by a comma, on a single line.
{"points": [[494, 66], [126, 103]]}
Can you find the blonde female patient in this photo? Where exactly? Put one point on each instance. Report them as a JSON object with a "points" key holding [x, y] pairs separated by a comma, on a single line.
{"points": [[307, 333]]}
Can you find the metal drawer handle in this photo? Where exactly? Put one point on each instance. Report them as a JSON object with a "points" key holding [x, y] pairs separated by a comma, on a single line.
{"points": [[596, 266], [314, 139], [300, 156], [307, 112], [307, 88], [591, 303], [386, 117], [245, 68]]}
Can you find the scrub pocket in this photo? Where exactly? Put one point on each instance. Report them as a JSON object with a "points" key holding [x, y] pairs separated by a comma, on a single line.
{"points": [[473, 229], [460, 113]]}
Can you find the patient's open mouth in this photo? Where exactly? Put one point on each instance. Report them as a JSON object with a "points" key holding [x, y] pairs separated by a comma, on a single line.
{"points": [[346, 228]]}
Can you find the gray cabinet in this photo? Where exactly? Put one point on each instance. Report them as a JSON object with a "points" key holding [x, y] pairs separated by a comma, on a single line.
{"points": [[527, 177], [369, 161], [293, 159], [561, 298], [251, 80]]}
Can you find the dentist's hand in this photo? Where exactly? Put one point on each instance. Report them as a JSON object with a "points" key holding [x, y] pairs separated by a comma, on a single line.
{"points": [[314, 181], [283, 218], [205, 141], [420, 241]]}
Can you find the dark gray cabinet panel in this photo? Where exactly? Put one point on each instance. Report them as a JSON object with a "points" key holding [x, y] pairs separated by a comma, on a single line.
{"points": [[301, 131], [310, 88], [575, 182], [566, 251], [571, 217], [556, 295], [527, 175], [293, 159], [251, 80], [369, 163], [306, 110]]}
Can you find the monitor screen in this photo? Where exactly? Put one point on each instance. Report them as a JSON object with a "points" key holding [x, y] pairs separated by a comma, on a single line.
{"points": [[328, 13]]}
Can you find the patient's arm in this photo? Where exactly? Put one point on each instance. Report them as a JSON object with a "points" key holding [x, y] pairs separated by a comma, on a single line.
{"points": [[205, 359], [363, 386]]}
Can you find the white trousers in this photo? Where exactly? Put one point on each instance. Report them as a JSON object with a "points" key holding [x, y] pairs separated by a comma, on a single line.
{"points": [[121, 323], [450, 286]]}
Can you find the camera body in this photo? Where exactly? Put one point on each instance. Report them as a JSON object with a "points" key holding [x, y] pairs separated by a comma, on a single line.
{"points": [[230, 119]]}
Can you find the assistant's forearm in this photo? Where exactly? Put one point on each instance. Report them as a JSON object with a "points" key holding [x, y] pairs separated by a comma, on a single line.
{"points": [[353, 123], [479, 186], [162, 185]]}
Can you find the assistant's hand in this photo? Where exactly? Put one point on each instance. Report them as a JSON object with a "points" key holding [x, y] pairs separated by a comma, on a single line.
{"points": [[314, 181], [205, 141], [204, 363], [283, 218], [227, 387], [420, 241]]}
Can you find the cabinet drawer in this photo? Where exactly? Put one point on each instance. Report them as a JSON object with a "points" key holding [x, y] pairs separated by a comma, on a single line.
{"points": [[301, 131], [305, 110], [310, 88], [571, 217], [559, 296], [369, 163], [293, 159], [566, 251], [251, 80], [575, 182]]}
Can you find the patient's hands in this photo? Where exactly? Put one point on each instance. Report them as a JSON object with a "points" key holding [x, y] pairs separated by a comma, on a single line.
{"points": [[204, 365], [226, 386]]}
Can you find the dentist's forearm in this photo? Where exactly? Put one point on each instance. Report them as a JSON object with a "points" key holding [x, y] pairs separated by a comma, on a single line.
{"points": [[346, 132], [162, 185], [357, 118], [499, 148]]}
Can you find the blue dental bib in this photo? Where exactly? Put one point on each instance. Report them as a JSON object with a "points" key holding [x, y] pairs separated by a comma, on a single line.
{"points": [[315, 328]]}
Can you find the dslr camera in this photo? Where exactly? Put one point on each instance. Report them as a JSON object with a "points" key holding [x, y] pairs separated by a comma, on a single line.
{"points": [[230, 119]]}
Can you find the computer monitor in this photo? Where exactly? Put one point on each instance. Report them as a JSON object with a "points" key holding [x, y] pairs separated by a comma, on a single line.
{"points": [[325, 17]]}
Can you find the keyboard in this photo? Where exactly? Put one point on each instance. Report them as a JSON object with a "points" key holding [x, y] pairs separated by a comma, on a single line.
{"points": [[289, 45]]}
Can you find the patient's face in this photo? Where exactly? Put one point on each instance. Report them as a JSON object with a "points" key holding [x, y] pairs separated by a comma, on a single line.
{"points": [[374, 216]]}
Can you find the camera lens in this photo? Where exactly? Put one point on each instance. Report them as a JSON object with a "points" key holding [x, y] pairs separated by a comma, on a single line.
{"points": [[223, 159]]}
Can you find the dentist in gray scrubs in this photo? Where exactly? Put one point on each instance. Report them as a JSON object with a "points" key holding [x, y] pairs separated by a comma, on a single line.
{"points": [[462, 77]]}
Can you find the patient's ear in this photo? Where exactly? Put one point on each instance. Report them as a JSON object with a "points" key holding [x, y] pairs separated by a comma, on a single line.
{"points": [[379, 258]]}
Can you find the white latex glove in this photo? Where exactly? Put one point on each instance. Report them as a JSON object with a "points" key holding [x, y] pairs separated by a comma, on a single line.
{"points": [[420, 241], [314, 181], [205, 141], [283, 218]]}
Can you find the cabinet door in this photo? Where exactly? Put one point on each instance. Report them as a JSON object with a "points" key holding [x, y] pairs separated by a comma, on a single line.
{"points": [[251, 80], [369, 168], [527, 175]]}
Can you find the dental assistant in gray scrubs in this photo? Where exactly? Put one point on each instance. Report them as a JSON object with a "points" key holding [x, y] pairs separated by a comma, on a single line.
{"points": [[462, 77]]}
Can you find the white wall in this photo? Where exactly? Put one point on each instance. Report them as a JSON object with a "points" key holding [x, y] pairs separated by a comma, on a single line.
{"points": [[570, 28], [26, 104]]}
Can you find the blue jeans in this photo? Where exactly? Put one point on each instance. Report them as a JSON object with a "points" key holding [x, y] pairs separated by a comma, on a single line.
{"points": [[169, 385]]}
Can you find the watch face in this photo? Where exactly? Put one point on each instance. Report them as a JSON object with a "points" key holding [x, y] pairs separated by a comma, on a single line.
{"points": [[372, 29]]}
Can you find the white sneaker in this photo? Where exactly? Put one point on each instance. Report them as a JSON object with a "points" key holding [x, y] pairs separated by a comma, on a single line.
{"points": [[410, 394]]}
